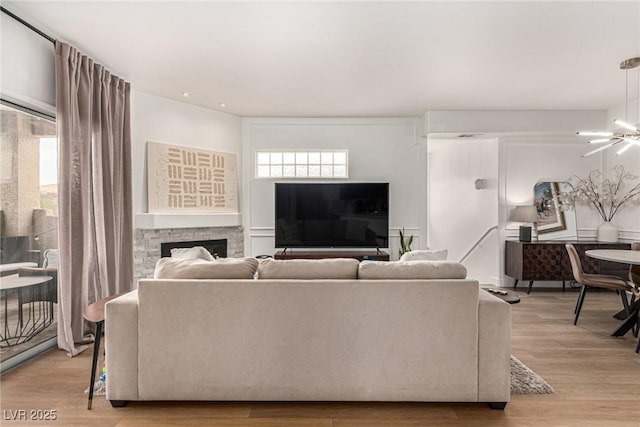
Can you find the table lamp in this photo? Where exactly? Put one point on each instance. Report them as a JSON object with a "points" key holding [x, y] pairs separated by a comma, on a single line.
{"points": [[525, 214]]}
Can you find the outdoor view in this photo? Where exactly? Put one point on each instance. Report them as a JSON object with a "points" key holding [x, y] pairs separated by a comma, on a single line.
{"points": [[28, 231]]}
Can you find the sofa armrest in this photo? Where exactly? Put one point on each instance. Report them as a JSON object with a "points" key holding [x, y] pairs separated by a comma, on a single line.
{"points": [[494, 348], [121, 347]]}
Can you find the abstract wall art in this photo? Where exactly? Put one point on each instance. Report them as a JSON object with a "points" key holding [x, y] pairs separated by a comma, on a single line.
{"points": [[190, 180]]}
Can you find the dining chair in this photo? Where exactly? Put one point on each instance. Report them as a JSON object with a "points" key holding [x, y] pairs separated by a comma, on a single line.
{"points": [[595, 281], [634, 278]]}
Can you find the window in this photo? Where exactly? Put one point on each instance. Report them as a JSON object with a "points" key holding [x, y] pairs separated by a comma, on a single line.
{"points": [[302, 164], [29, 233]]}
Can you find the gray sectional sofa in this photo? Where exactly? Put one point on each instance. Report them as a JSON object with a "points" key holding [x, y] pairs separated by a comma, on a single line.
{"points": [[364, 337]]}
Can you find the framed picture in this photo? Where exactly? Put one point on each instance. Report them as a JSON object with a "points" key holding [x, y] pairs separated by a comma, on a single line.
{"points": [[550, 216]]}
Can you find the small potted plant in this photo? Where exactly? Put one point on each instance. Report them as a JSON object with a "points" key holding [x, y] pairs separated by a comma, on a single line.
{"points": [[405, 243], [606, 195]]}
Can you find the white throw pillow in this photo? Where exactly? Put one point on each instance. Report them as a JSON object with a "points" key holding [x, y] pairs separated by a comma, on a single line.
{"points": [[308, 269], [196, 252], [411, 270], [425, 255], [220, 268]]}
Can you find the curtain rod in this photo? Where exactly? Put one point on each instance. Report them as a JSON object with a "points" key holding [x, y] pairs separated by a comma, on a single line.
{"points": [[29, 26]]}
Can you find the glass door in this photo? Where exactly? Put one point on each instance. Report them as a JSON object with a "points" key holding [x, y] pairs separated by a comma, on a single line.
{"points": [[28, 233]]}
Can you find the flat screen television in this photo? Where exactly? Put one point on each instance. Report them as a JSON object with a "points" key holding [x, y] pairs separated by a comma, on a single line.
{"points": [[332, 215]]}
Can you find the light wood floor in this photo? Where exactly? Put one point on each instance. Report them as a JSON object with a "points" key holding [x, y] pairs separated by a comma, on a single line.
{"points": [[596, 378]]}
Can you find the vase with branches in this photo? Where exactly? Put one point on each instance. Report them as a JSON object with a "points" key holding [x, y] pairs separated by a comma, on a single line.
{"points": [[606, 195]]}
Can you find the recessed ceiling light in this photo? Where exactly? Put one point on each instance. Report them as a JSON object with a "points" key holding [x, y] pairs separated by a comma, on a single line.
{"points": [[222, 105], [185, 94]]}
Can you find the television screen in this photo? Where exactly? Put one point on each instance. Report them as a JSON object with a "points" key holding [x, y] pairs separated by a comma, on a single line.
{"points": [[344, 215]]}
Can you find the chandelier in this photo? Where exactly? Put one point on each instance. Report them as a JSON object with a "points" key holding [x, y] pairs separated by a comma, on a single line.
{"points": [[629, 134]]}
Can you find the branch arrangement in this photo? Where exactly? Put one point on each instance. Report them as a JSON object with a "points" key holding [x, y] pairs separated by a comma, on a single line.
{"points": [[605, 195]]}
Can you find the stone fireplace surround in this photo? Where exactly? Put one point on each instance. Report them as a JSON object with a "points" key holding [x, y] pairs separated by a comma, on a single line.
{"points": [[146, 250]]}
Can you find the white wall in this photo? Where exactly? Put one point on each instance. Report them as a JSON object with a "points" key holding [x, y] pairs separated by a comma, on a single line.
{"points": [[381, 150], [459, 214], [154, 118], [519, 162]]}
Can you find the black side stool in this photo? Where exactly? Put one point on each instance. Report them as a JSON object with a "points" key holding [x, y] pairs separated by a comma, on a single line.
{"points": [[94, 313]]}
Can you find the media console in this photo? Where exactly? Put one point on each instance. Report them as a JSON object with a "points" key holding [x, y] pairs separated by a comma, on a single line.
{"points": [[359, 255]]}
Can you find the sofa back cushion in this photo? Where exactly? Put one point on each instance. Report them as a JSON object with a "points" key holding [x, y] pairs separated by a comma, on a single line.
{"points": [[425, 255], [196, 252], [411, 270], [332, 268], [221, 268]]}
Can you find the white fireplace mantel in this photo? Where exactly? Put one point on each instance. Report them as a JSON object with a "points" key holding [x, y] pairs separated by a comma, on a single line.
{"points": [[187, 220]]}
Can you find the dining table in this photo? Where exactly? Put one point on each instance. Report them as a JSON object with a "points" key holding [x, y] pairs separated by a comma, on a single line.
{"points": [[623, 256]]}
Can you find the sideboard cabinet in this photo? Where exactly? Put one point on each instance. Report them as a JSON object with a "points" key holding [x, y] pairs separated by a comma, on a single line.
{"points": [[548, 260]]}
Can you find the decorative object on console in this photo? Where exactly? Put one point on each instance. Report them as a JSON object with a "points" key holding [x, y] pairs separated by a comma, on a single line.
{"points": [[190, 179], [405, 243], [425, 255], [632, 134], [605, 195], [525, 214], [548, 207]]}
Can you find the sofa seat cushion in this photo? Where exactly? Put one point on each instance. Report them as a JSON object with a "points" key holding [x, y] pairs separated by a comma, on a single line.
{"points": [[221, 268], [411, 270], [332, 268]]}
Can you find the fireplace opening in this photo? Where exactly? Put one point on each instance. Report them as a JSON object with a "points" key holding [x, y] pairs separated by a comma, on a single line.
{"points": [[218, 248]]}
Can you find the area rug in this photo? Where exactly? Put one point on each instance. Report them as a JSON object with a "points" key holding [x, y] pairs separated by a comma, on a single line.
{"points": [[525, 381]]}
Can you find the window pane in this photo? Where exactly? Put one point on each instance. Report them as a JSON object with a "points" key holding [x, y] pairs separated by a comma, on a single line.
{"points": [[301, 158], [327, 158], [276, 171], [263, 171], [327, 171], [263, 158], [289, 158], [314, 158], [276, 158], [340, 158], [49, 175], [301, 170], [339, 171], [289, 170], [29, 202], [314, 170]]}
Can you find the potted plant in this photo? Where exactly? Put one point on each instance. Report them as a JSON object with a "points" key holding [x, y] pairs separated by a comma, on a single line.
{"points": [[606, 195], [405, 243]]}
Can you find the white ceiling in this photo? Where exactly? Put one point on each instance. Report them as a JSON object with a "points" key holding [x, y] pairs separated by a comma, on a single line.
{"points": [[358, 59]]}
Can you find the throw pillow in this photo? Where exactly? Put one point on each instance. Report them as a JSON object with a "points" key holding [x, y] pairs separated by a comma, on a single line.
{"points": [[221, 268], [305, 269], [196, 252], [425, 255], [412, 270]]}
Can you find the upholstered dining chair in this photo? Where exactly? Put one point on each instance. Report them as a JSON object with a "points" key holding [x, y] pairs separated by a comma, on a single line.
{"points": [[595, 281], [634, 278]]}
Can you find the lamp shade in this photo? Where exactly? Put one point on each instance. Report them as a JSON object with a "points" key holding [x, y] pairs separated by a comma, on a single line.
{"points": [[525, 214]]}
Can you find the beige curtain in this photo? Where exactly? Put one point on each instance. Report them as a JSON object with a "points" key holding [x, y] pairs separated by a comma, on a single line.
{"points": [[94, 190]]}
